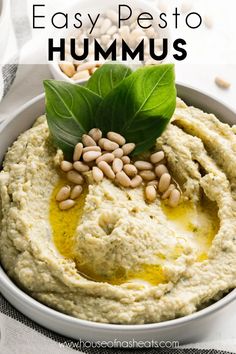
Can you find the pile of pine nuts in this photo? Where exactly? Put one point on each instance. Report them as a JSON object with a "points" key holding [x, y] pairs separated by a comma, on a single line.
{"points": [[109, 157], [105, 32]]}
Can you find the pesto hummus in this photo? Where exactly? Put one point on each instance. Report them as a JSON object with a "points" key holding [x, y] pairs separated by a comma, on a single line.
{"points": [[115, 258]]}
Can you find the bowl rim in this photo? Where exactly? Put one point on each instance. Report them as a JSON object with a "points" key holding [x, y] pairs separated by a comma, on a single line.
{"points": [[17, 292]]}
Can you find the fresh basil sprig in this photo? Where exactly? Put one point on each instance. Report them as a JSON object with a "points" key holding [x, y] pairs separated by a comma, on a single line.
{"points": [[70, 111], [107, 77], [137, 104]]}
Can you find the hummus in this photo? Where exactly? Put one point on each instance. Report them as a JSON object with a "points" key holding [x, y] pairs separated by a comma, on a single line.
{"points": [[113, 257]]}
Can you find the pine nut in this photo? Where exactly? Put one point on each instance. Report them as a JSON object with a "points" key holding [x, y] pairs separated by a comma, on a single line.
{"points": [[81, 167], [101, 142], [117, 165], [75, 177], [118, 153], [143, 165], [125, 159], [108, 157], [222, 83], [76, 191], [66, 204], [136, 181], [66, 166], [91, 156], [128, 148], [106, 169], [109, 145], [78, 151], [88, 141], [96, 134], [81, 75], [153, 183], [147, 175], [123, 179], [116, 138], [168, 191], [157, 157], [106, 24], [174, 198], [68, 68], [150, 193], [87, 66], [130, 170], [208, 22], [63, 193], [91, 148], [160, 170], [164, 182], [97, 174]]}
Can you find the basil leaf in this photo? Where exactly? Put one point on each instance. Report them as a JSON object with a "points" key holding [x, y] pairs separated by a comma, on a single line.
{"points": [[70, 111], [141, 106], [107, 77]]}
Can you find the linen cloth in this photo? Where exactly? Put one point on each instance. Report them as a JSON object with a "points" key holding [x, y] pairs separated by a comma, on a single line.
{"points": [[18, 334]]}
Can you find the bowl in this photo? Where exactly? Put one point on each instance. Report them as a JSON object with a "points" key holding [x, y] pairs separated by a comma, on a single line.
{"points": [[185, 329], [101, 7]]}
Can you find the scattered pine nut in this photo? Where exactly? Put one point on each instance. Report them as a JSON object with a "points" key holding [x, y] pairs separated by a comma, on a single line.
{"points": [[81, 167], [88, 141], [81, 75], [143, 165], [68, 68], [125, 159], [160, 170], [150, 193], [109, 145], [157, 157], [66, 204], [76, 191], [153, 183], [63, 194], [123, 179], [96, 134], [174, 198], [186, 6], [97, 174], [108, 157], [166, 194], [101, 142], [116, 138], [118, 153], [136, 181], [75, 177], [91, 148], [147, 175], [164, 182], [222, 83], [106, 169], [130, 170], [66, 166], [128, 148], [91, 155], [78, 151], [208, 22], [117, 165]]}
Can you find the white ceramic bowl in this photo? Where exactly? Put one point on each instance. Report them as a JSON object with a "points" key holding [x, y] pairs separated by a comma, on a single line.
{"points": [[185, 329], [100, 7]]}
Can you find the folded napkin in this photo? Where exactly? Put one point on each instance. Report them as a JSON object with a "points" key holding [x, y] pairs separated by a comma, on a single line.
{"points": [[19, 34]]}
